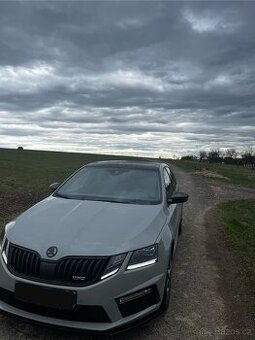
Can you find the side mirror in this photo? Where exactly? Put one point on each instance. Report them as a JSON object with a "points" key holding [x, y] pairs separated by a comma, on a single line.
{"points": [[178, 197], [54, 186]]}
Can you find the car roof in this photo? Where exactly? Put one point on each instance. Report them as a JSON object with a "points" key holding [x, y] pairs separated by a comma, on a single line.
{"points": [[129, 163]]}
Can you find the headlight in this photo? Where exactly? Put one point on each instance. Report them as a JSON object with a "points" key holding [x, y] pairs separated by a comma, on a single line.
{"points": [[143, 257], [113, 265], [5, 250], [4, 243]]}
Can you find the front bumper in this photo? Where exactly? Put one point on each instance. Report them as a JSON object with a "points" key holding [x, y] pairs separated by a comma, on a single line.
{"points": [[104, 294]]}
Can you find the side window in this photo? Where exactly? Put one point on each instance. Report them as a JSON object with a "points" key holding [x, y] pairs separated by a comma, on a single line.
{"points": [[173, 180], [168, 182], [167, 178]]}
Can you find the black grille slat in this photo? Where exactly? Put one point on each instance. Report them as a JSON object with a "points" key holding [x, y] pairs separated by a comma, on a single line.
{"points": [[57, 271], [27, 263], [30, 263], [90, 266], [73, 270], [97, 268], [10, 255], [14, 259], [71, 267], [37, 265], [78, 267], [19, 260], [22, 261], [83, 270], [65, 269]]}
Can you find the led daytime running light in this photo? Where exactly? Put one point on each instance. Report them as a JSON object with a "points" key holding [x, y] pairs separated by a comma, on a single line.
{"points": [[142, 264]]}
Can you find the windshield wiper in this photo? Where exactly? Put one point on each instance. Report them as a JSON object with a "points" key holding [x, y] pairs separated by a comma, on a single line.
{"points": [[62, 196], [133, 201], [105, 200]]}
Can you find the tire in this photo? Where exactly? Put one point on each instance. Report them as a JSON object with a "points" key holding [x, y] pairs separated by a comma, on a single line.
{"points": [[167, 291], [180, 228]]}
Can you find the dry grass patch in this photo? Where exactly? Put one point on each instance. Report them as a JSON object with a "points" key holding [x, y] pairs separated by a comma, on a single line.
{"points": [[209, 173]]}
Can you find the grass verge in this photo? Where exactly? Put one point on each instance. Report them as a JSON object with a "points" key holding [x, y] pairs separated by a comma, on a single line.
{"points": [[239, 224]]}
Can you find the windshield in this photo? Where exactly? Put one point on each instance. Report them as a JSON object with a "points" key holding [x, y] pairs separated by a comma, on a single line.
{"points": [[113, 184]]}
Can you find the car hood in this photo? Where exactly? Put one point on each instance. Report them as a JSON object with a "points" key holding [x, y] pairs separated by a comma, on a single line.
{"points": [[87, 227]]}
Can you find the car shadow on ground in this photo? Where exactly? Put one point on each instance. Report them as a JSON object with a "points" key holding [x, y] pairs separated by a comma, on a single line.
{"points": [[26, 330]]}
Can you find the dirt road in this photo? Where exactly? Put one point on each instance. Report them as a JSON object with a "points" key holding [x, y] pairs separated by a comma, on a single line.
{"points": [[206, 300]]}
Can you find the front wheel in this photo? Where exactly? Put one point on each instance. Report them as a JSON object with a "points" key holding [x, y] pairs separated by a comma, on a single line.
{"points": [[180, 228], [167, 291]]}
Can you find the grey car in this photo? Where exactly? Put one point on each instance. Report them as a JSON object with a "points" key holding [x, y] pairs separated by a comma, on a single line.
{"points": [[97, 254]]}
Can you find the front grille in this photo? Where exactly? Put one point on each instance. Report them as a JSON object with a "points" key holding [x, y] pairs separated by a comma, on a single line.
{"points": [[80, 313], [87, 269], [23, 261], [73, 270]]}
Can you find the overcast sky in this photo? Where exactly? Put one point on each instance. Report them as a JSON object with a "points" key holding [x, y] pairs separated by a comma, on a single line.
{"points": [[147, 78]]}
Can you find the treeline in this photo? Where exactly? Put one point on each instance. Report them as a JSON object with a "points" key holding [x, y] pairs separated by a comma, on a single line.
{"points": [[228, 156]]}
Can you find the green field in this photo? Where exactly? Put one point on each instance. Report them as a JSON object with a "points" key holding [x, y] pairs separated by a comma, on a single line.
{"points": [[239, 223], [35, 170], [233, 174]]}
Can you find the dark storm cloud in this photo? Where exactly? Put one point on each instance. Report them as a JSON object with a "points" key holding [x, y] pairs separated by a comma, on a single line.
{"points": [[130, 77]]}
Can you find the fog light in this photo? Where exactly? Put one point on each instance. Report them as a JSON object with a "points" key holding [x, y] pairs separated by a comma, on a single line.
{"points": [[134, 296], [138, 301]]}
